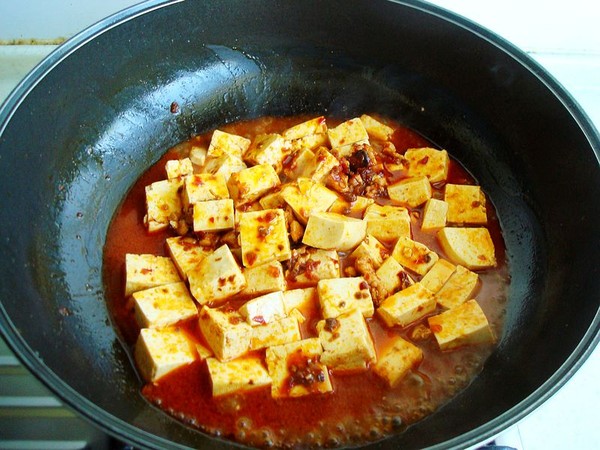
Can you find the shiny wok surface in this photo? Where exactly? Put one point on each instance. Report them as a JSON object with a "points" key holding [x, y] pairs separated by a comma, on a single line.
{"points": [[85, 124]]}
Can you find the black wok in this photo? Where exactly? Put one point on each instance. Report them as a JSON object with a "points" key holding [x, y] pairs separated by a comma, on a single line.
{"points": [[95, 114]]}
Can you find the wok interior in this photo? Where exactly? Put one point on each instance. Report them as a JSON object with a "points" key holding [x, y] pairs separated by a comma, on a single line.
{"points": [[102, 115]]}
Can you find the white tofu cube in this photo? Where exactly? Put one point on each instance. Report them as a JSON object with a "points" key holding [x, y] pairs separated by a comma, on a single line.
{"points": [[164, 305], [295, 369], [340, 295], [439, 273], [346, 134], [466, 204], [307, 197], [459, 288], [272, 200], [186, 253], [226, 143], [317, 125], [413, 255], [214, 215], [376, 129], [325, 161], [428, 162], [198, 155], [393, 277], [225, 165], [309, 265], [263, 237], [163, 204], [396, 360], [407, 306], [176, 168], [469, 247], [160, 351], [277, 332], [227, 333], [263, 309], [411, 191], [216, 277], [239, 375], [304, 300], [464, 325], [387, 223], [371, 248], [302, 163], [264, 278], [202, 187], [356, 208], [309, 142], [248, 185], [434, 215], [346, 341], [146, 271], [331, 231], [267, 149]]}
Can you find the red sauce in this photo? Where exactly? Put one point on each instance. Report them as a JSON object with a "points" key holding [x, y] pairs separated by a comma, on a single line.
{"points": [[362, 407]]}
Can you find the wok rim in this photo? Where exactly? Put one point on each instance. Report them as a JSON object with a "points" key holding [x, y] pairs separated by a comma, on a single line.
{"points": [[130, 433]]}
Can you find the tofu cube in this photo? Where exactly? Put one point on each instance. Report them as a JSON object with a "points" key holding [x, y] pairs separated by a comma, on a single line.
{"points": [[307, 197], [198, 155], [371, 248], [277, 332], [214, 215], [325, 161], [317, 125], [158, 352], [331, 231], [439, 273], [464, 325], [267, 149], [309, 265], [346, 341], [177, 168], [466, 204], [459, 288], [387, 223], [296, 370], [225, 165], [393, 277], [250, 184], [428, 162], [376, 129], [469, 247], [186, 253], [272, 200], [434, 215], [146, 271], [216, 277], [346, 134], [263, 237], [413, 255], [203, 351], [302, 163], [263, 309], [407, 306], [202, 187], [225, 143], [340, 295], [264, 278], [164, 305], [304, 299], [227, 333], [356, 208], [411, 191], [163, 204], [239, 375], [309, 142], [396, 360]]}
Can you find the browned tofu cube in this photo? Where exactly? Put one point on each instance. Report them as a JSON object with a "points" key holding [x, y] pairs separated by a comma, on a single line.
{"points": [[466, 204]]}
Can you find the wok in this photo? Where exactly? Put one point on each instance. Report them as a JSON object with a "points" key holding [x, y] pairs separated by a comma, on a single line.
{"points": [[82, 127]]}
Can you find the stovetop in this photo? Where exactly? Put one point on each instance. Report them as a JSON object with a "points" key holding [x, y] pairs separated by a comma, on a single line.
{"points": [[561, 37]]}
